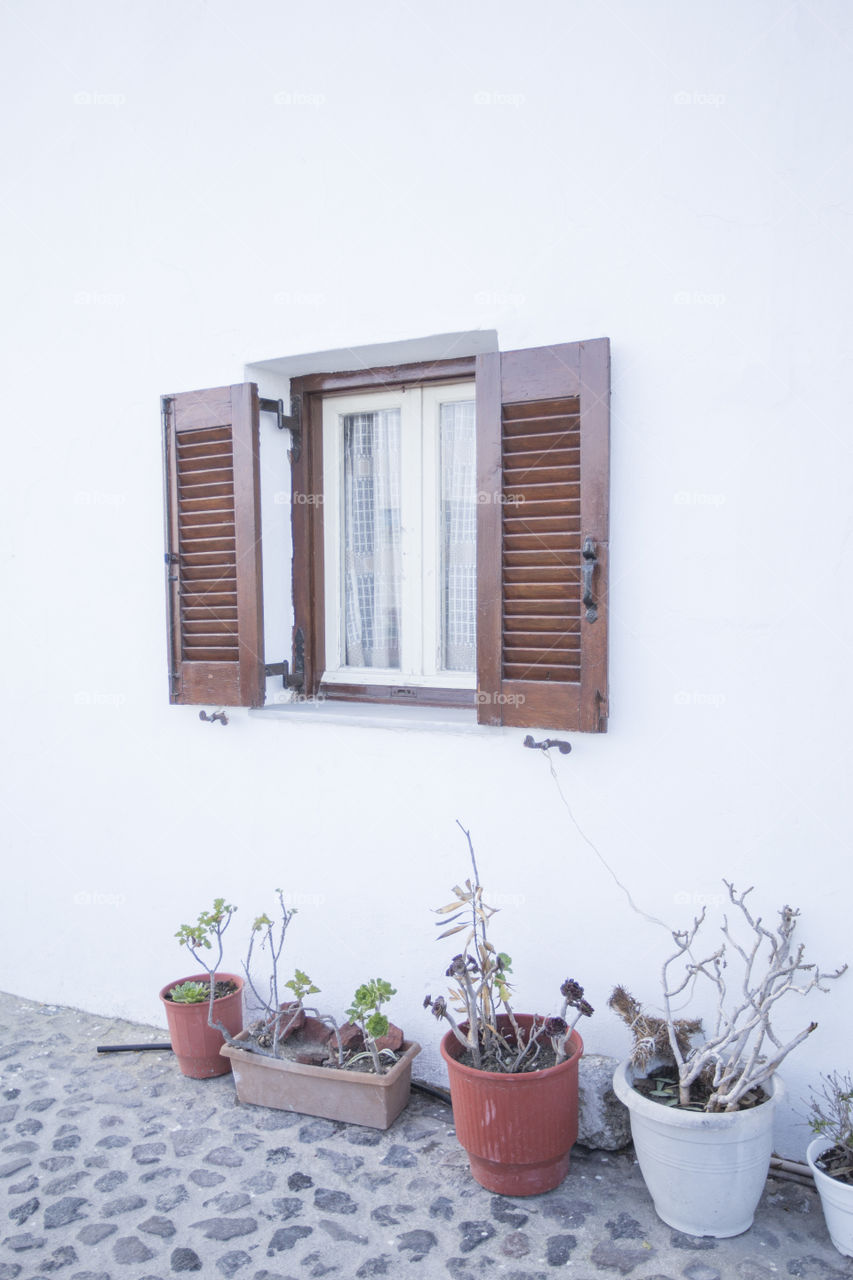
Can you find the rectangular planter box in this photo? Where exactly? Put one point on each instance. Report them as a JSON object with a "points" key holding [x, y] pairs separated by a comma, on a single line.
{"points": [[356, 1097]]}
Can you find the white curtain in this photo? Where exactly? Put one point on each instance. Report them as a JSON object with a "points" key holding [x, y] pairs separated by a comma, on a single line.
{"points": [[372, 566], [458, 537]]}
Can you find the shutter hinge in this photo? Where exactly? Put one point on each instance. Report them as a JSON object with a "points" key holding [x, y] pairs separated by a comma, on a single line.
{"points": [[292, 421], [603, 707], [291, 679]]}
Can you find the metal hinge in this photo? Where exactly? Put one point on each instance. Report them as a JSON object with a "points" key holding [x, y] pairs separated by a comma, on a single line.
{"points": [[292, 421], [603, 707], [296, 678]]}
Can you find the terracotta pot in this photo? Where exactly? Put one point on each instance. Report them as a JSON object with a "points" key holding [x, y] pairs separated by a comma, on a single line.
{"points": [[518, 1129], [195, 1044], [357, 1097]]}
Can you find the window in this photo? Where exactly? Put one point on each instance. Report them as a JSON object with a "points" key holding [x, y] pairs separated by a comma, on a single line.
{"points": [[415, 578]]}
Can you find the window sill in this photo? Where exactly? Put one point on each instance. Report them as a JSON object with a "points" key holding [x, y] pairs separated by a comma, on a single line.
{"points": [[361, 715]]}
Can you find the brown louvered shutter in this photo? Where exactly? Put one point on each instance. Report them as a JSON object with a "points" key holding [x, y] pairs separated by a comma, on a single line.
{"points": [[213, 546], [543, 447]]}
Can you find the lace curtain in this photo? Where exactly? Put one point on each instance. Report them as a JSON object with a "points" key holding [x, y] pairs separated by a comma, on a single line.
{"points": [[372, 538], [458, 536]]}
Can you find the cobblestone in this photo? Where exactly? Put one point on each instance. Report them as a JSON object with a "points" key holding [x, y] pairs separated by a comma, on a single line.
{"points": [[122, 1168]]}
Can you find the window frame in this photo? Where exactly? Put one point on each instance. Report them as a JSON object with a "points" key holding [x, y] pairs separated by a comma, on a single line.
{"points": [[307, 502]]}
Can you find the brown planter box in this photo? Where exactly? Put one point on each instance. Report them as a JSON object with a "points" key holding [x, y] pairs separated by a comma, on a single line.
{"points": [[356, 1097]]}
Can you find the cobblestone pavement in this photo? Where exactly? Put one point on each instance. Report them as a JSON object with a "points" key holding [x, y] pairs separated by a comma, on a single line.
{"points": [[117, 1166]]}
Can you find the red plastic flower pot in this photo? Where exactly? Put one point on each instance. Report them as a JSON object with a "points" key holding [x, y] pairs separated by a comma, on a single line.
{"points": [[194, 1043], [519, 1129]]}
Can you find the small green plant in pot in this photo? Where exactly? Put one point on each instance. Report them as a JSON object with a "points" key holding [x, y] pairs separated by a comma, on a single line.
{"points": [[702, 1103], [294, 1057], [513, 1077], [205, 1008], [830, 1156]]}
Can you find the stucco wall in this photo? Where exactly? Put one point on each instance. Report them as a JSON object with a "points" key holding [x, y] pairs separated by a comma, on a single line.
{"points": [[192, 188]]}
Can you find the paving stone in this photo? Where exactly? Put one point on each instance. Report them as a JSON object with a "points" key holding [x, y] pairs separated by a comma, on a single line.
{"points": [[189, 1142], [334, 1201], [390, 1215], [515, 1245], [94, 1232], [358, 1137], [24, 1210], [615, 1258], [121, 1205], [379, 1266], [279, 1155], [169, 1200], [40, 1104], [568, 1211], [474, 1234], [185, 1260], [24, 1188], [10, 1270], [8, 1113], [127, 1249], [206, 1178], [225, 1157], [300, 1181], [418, 1243], [25, 1241], [400, 1158], [230, 1263], [624, 1228], [700, 1271], [59, 1186], [319, 1130], [260, 1182], [28, 1127], [226, 1228], [54, 1163], [64, 1256], [229, 1202], [506, 1212], [63, 1211], [286, 1237], [678, 1240], [337, 1232], [339, 1162], [814, 1268], [751, 1269], [288, 1206], [13, 1166], [148, 1152], [558, 1249], [441, 1207], [158, 1226]]}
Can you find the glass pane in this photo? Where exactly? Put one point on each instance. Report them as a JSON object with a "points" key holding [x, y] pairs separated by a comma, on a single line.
{"points": [[371, 539], [458, 537]]}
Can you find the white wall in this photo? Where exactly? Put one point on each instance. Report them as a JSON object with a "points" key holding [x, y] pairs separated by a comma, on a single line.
{"points": [[193, 187]]}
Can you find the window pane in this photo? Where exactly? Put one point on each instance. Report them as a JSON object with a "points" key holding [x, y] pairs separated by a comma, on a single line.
{"points": [[371, 538], [458, 537]]}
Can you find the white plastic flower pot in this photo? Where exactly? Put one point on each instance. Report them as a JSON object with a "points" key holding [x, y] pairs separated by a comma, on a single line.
{"points": [[704, 1171], [836, 1200]]}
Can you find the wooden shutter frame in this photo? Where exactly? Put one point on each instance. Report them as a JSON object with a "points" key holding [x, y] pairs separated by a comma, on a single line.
{"points": [[578, 371], [222, 683]]}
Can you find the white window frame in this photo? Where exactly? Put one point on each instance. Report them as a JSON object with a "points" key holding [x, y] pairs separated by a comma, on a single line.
{"points": [[421, 585]]}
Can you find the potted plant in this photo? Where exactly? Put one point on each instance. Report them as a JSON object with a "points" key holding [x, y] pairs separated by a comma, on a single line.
{"points": [[513, 1077], [830, 1156], [294, 1058], [702, 1114], [204, 1008]]}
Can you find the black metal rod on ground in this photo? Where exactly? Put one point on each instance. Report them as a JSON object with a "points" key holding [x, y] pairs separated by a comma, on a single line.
{"points": [[133, 1048]]}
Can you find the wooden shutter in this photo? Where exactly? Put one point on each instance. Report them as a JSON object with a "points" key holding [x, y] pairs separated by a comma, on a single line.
{"points": [[543, 462], [213, 546]]}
